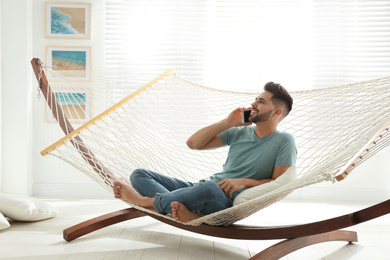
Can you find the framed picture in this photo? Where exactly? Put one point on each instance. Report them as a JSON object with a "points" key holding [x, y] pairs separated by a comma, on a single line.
{"points": [[68, 20], [75, 105], [75, 61]]}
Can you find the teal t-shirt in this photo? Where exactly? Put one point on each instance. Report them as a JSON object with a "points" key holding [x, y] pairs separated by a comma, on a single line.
{"points": [[253, 157]]}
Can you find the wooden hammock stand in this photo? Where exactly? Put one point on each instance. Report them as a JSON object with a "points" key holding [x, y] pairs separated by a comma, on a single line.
{"points": [[296, 236]]}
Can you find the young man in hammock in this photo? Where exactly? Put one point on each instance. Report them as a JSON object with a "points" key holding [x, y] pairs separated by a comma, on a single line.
{"points": [[258, 153]]}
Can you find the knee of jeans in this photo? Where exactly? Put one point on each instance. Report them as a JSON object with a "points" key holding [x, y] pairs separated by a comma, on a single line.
{"points": [[210, 189], [136, 174]]}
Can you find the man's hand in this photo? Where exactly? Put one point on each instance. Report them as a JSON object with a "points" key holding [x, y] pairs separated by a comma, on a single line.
{"points": [[208, 137], [234, 118], [231, 185]]}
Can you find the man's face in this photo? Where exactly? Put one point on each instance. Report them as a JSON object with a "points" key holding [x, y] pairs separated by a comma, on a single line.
{"points": [[262, 108]]}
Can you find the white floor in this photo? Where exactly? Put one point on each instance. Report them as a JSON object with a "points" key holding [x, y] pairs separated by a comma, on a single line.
{"points": [[146, 238]]}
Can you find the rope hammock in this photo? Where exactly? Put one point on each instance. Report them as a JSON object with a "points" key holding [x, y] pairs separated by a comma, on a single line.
{"points": [[335, 129]]}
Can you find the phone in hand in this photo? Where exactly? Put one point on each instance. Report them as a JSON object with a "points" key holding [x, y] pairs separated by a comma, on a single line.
{"points": [[245, 116]]}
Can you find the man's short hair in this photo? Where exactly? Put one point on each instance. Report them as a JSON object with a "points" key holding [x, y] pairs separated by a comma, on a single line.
{"points": [[280, 98]]}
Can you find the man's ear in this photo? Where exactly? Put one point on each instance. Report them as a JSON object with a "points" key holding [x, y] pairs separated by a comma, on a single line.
{"points": [[279, 111]]}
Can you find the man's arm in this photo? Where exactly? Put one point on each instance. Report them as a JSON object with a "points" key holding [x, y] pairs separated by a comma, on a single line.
{"points": [[208, 137], [231, 185]]}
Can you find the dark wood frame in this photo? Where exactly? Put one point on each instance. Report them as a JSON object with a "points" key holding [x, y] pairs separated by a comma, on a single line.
{"points": [[296, 236]]}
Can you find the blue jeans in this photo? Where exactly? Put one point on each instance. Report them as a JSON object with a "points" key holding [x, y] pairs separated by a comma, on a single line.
{"points": [[204, 197]]}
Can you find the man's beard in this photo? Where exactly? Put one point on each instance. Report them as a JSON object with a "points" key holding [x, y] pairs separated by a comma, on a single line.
{"points": [[261, 118]]}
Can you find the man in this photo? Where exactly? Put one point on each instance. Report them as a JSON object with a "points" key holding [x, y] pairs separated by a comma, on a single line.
{"points": [[258, 154]]}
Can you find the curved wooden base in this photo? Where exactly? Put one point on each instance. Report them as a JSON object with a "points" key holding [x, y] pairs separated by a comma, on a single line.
{"points": [[100, 222], [297, 236], [290, 245], [282, 232], [274, 252]]}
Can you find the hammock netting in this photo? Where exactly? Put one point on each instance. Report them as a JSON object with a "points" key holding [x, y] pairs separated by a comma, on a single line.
{"points": [[148, 129]]}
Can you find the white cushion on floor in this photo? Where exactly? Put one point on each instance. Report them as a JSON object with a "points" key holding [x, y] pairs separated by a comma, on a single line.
{"points": [[3, 222], [25, 208]]}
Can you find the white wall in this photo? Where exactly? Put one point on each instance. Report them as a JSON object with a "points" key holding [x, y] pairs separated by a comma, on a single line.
{"points": [[52, 176], [23, 127], [16, 96], [1, 107], [24, 130]]}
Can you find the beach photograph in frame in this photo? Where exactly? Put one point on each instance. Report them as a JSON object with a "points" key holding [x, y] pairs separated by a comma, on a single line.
{"points": [[74, 104], [72, 61], [68, 20]]}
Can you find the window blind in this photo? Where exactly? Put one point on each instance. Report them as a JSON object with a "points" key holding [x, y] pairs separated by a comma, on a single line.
{"points": [[150, 37], [352, 41], [240, 45]]}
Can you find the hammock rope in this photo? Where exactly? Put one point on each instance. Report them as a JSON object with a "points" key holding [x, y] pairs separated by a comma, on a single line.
{"points": [[336, 129]]}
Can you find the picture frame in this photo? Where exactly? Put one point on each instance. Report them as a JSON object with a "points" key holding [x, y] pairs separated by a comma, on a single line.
{"points": [[68, 20], [75, 105], [76, 61]]}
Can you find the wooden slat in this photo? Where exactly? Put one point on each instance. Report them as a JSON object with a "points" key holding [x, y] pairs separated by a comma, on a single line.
{"points": [[105, 113], [344, 172]]}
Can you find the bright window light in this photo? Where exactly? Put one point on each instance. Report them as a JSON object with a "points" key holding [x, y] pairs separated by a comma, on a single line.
{"points": [[240, 45]]}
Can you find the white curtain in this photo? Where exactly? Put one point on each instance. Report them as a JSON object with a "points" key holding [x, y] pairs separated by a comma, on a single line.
{"points": [[240, 45]]}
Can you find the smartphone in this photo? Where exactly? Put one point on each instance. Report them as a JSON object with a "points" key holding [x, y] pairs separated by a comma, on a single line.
{"points": [[245, 116]]}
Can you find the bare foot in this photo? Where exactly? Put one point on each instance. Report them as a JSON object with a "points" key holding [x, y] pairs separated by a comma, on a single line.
{"points": [[181, 213], [124, 191]]}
